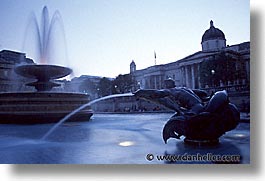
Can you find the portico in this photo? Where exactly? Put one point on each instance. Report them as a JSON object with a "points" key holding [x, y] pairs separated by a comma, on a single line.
{"points": [[190, 76]]}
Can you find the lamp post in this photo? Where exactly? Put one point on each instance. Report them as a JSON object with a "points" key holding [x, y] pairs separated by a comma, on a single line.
{"points": [[98, 92], [212, 72], [115, 87], [138, 85]]}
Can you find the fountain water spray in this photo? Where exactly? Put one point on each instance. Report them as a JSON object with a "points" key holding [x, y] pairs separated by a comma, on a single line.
{"points": [[79, 109], [45, 36]]}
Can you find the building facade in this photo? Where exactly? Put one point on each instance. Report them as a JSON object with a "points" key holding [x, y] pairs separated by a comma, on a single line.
{"points": [[186, 72], [190, 72], [9, 80]]}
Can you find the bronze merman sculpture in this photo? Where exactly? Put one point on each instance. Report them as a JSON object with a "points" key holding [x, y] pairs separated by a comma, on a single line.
{"points": [[201, 119]]}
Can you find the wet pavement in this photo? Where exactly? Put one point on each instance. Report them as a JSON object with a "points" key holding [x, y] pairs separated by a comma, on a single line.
{"points": [[116, 139]]}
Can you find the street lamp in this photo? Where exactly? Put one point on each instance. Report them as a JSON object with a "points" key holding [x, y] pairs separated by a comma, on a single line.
{"points": [[213, 72], [115, 86], [138, 85]]}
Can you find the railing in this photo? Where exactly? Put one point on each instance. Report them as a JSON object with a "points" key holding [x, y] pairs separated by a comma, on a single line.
{"points": [[229, 88]]}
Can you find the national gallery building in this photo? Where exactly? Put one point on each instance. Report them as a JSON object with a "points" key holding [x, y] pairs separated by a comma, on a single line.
{"points": [[189, 72], [186, 72]]}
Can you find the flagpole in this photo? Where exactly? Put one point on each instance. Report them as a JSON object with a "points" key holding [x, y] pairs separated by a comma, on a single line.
{"points": [[155, 57]]}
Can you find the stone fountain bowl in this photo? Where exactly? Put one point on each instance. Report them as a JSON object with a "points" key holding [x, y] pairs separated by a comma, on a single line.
{"points": [[43, 72], [42, 107]]}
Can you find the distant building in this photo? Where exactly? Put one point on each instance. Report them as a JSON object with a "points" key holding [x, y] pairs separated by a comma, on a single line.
{"points": [[185, 72], [9, 80], [84, 84]]}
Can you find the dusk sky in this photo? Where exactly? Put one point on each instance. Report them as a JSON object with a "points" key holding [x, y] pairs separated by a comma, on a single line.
{"points": [[104, 36]]}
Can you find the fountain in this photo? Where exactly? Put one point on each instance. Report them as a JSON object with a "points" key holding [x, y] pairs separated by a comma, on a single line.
{"points": [[199, 125], [44, 105]]}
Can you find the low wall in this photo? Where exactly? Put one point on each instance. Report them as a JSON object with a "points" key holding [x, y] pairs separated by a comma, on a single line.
{"points": [[130, 104]]}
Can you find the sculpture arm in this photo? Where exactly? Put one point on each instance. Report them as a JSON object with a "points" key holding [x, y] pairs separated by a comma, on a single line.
{"points": [[151, 93], [159, 97]]}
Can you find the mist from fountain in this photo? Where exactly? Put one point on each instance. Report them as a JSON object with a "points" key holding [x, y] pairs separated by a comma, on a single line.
{"points": [[79, 109], [40, 38]]}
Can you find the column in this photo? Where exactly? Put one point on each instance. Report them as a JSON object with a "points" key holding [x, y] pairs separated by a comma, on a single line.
{"points": [[145, 83], [192, 77], [155, 82], [148, 83], [182, 76], [160, 81], [199, 78], [186, 76]]}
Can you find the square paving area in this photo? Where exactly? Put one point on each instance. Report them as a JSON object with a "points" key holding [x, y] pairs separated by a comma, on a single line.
{"points": [[116, 139]]}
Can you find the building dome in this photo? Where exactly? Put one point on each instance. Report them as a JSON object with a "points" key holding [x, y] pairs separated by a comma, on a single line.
{"points": [[213, 39], [213, 33]]}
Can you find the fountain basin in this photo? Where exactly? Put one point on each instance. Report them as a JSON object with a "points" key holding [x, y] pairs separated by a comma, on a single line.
{"points": [[42, 107], [43, 72]]}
